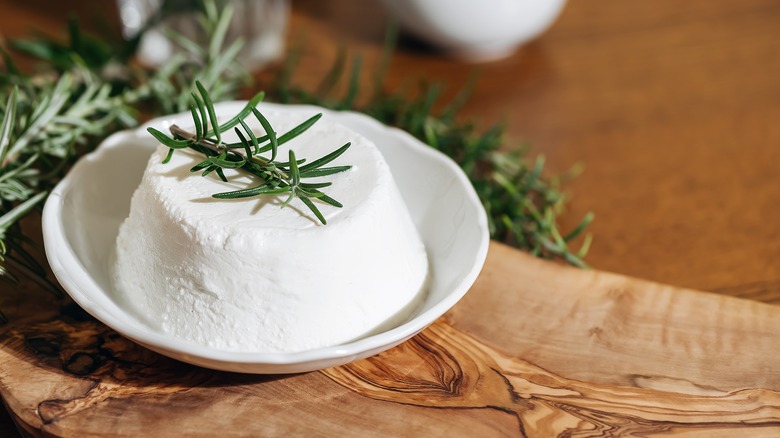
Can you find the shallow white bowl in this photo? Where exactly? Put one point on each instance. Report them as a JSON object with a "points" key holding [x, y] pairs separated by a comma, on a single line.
{"points": [[81, 219], [484, 30]]}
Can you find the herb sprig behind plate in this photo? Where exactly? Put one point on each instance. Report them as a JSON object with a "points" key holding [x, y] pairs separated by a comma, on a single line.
{"points": [[50, 119], [522, 203], [276, 177]]}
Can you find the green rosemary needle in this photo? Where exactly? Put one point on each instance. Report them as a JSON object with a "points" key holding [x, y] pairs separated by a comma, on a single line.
{"points": [[275, 177]]}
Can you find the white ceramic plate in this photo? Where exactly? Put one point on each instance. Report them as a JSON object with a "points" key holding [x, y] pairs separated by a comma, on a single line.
{"points": [[81, 219]]}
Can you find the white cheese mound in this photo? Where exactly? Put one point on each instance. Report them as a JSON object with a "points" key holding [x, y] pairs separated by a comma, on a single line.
{"points": [[247, 275]]}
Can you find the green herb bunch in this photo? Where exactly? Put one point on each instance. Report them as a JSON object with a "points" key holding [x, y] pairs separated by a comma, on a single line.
{"points": [[52, 118], [276, 177], [45, 126], [523, 204]]}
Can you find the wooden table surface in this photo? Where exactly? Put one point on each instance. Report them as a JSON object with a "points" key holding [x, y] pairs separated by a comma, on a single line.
{"points": [[673, 109]]}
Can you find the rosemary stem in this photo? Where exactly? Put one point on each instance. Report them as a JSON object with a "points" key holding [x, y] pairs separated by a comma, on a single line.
{"points": [[217, 148], [186, 135]]}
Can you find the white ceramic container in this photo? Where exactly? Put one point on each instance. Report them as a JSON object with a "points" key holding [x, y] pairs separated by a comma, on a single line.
{"points": [[476, 30], [82, 216]]}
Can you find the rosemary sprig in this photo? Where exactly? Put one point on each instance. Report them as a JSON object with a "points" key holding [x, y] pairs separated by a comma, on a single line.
{"points": [[276, 177]]}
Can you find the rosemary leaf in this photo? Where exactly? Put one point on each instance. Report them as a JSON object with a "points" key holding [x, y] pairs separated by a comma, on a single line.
{"points": [[326, 159], [168, 156], [252, 137], [210, 109], [198, 124], [167, 141], [254, 191], [268, 130], [298, 130], [314, 209], [323, 171], [244, 113]]}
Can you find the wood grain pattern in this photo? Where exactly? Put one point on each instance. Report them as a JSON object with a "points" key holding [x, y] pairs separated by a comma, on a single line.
{"points": [[460, 372], [582, 353]]}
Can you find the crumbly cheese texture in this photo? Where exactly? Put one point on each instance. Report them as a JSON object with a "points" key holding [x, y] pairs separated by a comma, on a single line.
{"points": [[247, 275]]}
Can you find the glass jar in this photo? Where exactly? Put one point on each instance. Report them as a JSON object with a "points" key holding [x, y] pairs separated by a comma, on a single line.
{"points": [[260, 23]]}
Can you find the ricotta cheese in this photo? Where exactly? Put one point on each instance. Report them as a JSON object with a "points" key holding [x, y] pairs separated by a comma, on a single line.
{"points": [[247, 275]]}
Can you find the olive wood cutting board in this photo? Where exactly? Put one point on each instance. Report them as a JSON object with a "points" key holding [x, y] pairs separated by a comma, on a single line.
{"points": [[534, 349]]}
